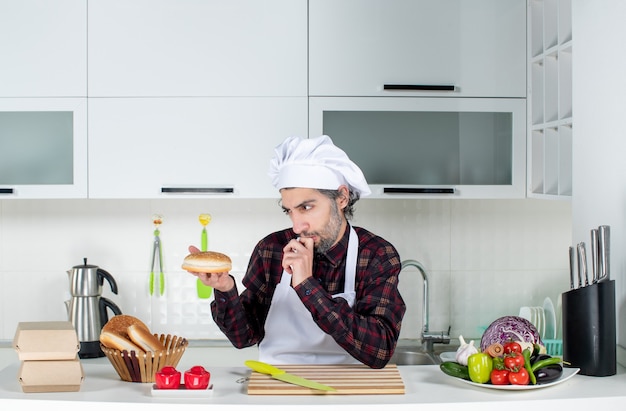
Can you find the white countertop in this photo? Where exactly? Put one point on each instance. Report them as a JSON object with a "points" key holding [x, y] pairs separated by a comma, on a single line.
{"points": [[426, 388]]}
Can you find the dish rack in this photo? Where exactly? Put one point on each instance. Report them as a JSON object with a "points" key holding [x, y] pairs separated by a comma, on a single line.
{"points": [[554, 347], [547, 320]]}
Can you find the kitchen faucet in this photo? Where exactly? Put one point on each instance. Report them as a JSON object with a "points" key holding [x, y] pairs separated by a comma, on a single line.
{"points": [[429, 338]]}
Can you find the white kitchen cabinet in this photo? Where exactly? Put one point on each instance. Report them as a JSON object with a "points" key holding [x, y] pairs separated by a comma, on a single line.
{"points": [[550, 99], [477, 48], [43, 148], [429, 147], [188, 147], [182, 48], [43, 45]]}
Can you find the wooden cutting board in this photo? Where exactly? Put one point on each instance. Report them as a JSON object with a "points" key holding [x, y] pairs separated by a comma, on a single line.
{"points": [[346, 379]]}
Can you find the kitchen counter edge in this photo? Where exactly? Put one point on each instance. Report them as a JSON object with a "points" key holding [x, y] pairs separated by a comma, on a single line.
{"points": [[426, 388]]}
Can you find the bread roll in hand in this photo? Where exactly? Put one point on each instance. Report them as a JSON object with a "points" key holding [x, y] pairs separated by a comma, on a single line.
{"points": [[207, 262]]}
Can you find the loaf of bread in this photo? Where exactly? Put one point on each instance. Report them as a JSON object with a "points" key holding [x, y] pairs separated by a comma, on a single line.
{"points": [[144, 339], [119, 324], [125, 332], [117, 342], [207, 262]]}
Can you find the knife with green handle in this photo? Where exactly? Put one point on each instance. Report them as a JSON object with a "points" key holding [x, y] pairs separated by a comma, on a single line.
{"points": [[282, 375]]}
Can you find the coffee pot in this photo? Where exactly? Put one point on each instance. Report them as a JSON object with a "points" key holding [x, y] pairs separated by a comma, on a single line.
{"points": [[87, 309]]}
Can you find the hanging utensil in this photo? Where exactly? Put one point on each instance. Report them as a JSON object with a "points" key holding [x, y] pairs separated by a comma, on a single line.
{"points": [[204, 219], [202, 290], [157, 252]]}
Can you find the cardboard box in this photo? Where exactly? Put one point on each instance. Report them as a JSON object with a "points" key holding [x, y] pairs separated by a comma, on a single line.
{"points": [[46, 340], [51, 375]]}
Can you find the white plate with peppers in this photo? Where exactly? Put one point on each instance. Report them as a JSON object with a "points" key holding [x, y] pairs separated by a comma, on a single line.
{"points": [[567, 374], [511, 366]]}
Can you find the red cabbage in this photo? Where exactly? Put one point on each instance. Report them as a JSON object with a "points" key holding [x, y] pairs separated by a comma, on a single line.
{"points": [[510, 328]]}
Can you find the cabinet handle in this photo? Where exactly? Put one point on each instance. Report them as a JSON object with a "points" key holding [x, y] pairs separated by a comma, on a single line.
{"points": [[420, 87], [6, 191], [428, 190], [196, 190]]}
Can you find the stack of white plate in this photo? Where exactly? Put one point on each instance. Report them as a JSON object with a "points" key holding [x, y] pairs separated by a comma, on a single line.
{"points": [[559, 317], [536, 316], [543, 318], [550, 331]]}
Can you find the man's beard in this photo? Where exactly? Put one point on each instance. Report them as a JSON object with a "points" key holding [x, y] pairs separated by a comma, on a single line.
{"points": [[329, 236]]}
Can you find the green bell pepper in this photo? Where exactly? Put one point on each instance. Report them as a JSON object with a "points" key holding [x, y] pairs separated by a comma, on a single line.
{"points": [[479, 366]]}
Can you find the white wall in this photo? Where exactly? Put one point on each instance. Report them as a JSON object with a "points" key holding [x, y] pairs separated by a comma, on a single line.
{"points": [[599, 134], [485, 258]]}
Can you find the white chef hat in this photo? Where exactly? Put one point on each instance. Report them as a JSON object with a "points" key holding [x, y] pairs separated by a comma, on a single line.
{"points": [[315, 163]]}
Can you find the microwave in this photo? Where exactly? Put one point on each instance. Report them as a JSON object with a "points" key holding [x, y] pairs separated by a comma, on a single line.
{"points": [[429, 147]]}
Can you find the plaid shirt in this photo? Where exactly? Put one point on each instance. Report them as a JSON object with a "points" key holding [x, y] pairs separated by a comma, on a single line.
{"points": [[368, 331]]}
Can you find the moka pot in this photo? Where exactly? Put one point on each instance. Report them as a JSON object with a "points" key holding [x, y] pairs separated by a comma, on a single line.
{"points": [[87, 309]]}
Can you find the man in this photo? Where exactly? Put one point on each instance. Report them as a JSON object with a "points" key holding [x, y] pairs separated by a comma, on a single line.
{"points": [[322, 292]]}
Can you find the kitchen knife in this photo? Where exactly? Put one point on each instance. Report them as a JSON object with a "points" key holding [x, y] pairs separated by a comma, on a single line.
{"points": [[572, 263], [585, 266], [582, 264], [604, 256], [594, 256], [282, 375]]}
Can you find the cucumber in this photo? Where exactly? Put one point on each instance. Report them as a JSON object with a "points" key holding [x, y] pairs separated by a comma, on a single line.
{"points": [[455, 369]]}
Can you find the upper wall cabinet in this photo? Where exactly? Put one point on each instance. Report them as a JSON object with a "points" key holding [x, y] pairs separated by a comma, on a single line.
{"points": [[43, 148], [454, 48], [188, 48], [188, 147], [43, 48], [429, 147], [550, 99]]}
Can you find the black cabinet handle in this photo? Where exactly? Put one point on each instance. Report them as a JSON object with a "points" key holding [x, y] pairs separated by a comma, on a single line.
{"points": [[409, 190], [420, 87], [197, 190], [6, 191]]}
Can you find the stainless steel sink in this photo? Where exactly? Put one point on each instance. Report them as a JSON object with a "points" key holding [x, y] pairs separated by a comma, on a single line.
{"points": [[410, 352], [413, 357]]}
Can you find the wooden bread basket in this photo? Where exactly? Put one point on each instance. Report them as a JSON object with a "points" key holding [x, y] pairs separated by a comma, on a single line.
{"points": [[140, 367]]}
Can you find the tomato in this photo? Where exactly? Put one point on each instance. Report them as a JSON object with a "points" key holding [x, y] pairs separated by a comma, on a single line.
{"points": [[512, 346], [500, 377], [520, 377], [514, 361], [479, 366]]}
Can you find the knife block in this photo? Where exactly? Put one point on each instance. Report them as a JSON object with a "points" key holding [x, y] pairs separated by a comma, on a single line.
{"points": [[589, 337]]}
